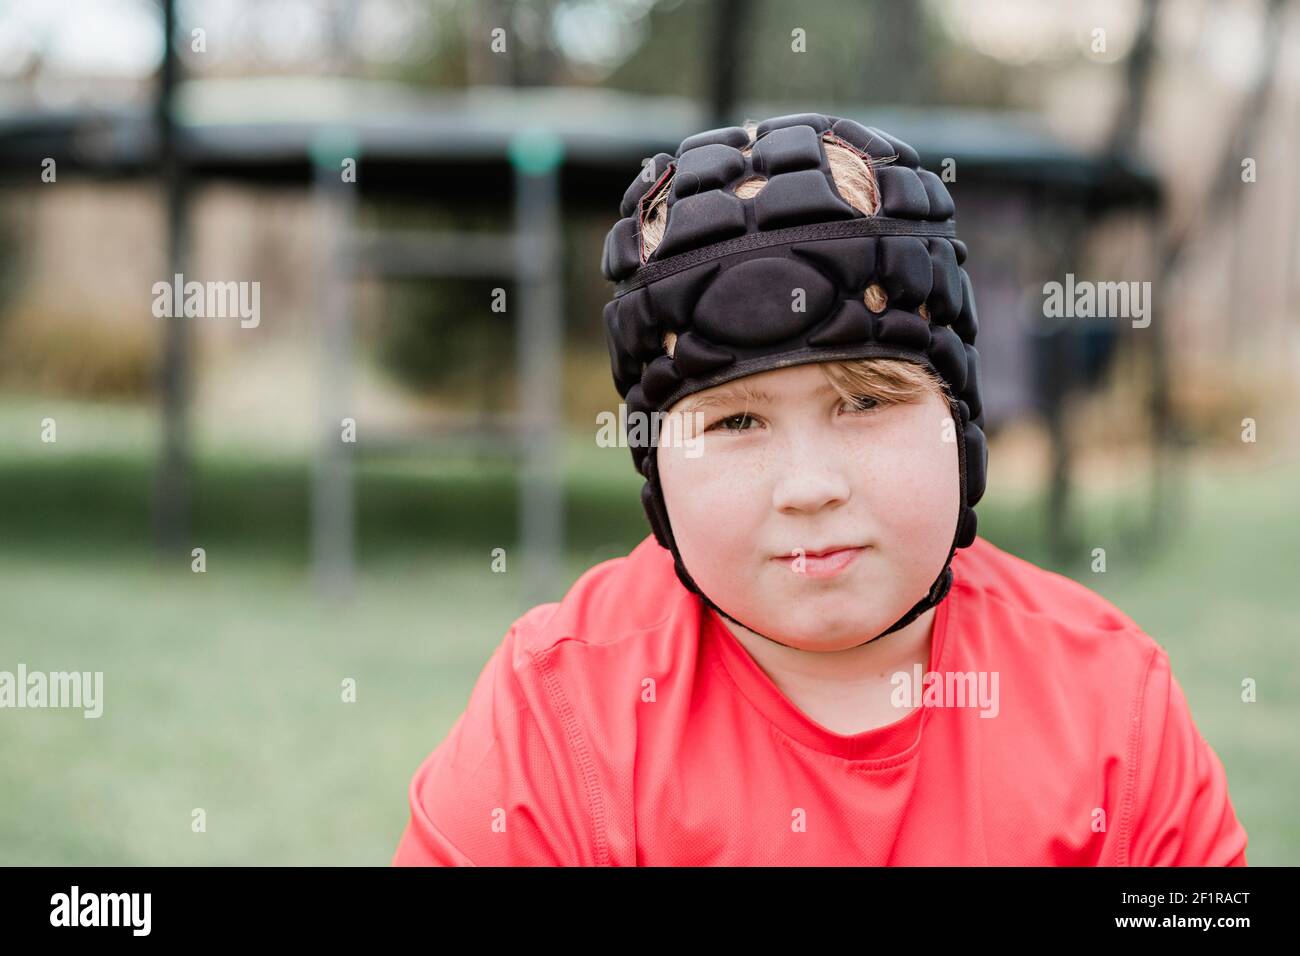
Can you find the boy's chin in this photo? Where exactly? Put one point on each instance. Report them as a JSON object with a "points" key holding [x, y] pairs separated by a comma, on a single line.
{"points": [[825, 626]]}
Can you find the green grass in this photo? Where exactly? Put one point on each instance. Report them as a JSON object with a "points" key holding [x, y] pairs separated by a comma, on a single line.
{"points": [[223, 690]]}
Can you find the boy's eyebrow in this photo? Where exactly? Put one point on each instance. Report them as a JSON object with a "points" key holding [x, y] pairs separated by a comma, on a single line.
{"points": [[740, 391], [729, 394]]}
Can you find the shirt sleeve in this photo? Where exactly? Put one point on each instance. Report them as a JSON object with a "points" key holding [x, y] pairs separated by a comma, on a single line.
{"points": [[1183, 814], [496, 792]]}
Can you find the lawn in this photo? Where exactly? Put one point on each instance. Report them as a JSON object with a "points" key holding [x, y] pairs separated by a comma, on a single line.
{"points": [[222, 690]]}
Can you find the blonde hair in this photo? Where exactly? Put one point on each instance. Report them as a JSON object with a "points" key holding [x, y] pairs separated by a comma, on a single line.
{"points": [[888, 381]]}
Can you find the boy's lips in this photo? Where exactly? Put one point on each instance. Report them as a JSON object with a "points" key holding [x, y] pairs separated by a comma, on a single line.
{"points": [[823, 562], [820, 552]]}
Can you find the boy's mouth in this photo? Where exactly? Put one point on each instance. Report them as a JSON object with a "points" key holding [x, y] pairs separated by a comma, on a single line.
{"points": [[821, 563], [822, 552]]}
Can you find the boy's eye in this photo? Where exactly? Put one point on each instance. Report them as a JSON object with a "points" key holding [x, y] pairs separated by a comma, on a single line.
{"points": [[862, 403], [733, 423], [740, 421]]}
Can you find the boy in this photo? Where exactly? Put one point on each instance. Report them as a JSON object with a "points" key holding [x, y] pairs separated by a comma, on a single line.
{"points": [[846, 674]]}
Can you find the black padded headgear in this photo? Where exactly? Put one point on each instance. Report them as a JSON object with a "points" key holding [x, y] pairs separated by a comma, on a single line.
{"points": [[723, 277]]}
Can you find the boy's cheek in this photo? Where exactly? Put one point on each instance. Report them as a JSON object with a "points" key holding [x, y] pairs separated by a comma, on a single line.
{"points": [[918, 532], [921, 508], [715, 517]]}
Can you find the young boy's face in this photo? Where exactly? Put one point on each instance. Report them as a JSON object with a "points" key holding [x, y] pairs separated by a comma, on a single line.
{"points": [[794, 470]]}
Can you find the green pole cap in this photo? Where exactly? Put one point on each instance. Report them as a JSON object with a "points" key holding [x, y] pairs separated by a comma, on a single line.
{"points": [[536, 151], [332, 144]]}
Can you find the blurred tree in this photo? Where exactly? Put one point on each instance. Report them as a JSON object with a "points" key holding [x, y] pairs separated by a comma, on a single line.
{"points": [[444, 338]]}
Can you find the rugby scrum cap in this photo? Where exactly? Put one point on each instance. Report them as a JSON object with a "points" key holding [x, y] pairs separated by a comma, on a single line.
{"points": [[725, 274]]}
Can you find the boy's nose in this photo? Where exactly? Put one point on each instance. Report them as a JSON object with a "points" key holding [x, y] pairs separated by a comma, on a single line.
{"points": [[809, 487]]}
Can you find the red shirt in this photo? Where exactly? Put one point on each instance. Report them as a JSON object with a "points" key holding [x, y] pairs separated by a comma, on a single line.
{"points": [[625, 725]]}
